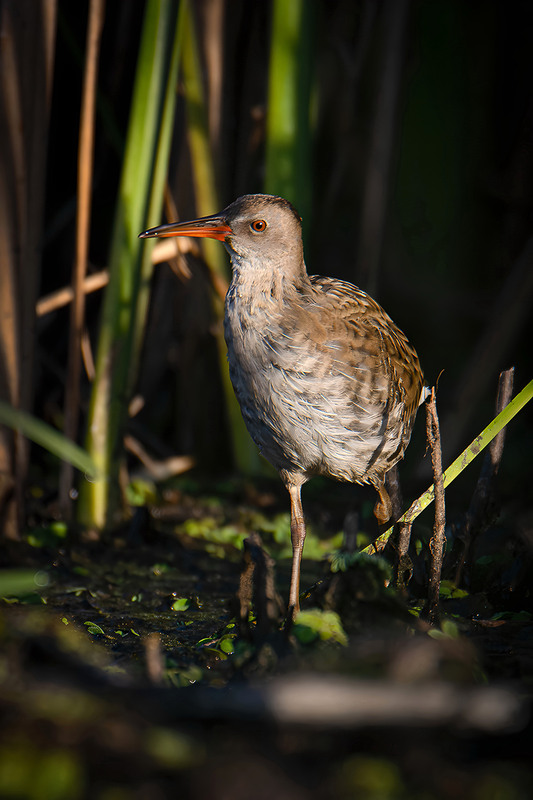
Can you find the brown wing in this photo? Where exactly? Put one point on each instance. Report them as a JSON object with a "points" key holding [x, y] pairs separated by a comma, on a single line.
{"points": [[369, 338]]}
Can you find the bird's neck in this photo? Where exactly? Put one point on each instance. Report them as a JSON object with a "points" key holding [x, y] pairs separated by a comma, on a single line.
{"points": [[266, 285]]}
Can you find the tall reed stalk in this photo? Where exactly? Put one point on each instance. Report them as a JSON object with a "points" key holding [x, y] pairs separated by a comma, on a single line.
{"points": [[245, 454], [288, 166], [27, 53], [138, 206]]}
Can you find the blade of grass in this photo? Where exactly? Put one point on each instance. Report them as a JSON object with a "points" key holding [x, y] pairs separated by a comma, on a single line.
{"points": [[49, 438], [461, 462]]}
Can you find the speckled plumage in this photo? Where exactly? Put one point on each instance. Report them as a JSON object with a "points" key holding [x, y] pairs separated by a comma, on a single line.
{"points": [[326, 382]]}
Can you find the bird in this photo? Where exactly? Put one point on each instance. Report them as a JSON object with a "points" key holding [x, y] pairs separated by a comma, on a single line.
{"points": [[326, 382]]}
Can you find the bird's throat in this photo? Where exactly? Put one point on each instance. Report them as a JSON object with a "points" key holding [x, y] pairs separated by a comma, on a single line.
{"points": [[260, 287]]}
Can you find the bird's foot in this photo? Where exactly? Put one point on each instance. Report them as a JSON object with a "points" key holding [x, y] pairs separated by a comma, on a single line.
{"points": [[383, 507]]}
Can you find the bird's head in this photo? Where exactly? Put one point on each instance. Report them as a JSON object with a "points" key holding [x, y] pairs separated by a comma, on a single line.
{"points": [[259, 230]]}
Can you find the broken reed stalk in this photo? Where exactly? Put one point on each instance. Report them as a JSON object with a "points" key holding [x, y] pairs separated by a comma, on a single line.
{"points": [[438, 540]]}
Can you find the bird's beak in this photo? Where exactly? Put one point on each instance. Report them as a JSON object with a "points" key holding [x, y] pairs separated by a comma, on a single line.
{"points": [[214, 227]]}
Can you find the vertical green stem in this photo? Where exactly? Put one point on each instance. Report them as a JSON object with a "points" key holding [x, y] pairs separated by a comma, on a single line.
{"points": [[245, 452], [126, 296], [288, 146]]}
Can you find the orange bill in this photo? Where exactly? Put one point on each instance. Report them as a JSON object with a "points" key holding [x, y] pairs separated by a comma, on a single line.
{"points": [[213, 227]]}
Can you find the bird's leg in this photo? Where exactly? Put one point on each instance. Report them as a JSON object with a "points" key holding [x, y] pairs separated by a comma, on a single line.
{"points": [[297, 538], [383, 507]]}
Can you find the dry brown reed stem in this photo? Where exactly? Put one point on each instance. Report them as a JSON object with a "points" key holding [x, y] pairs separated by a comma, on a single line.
{"points": [[438, 540], [403, 566], [83, 216], [62, 297], [246, 590], [167, 250], [213, 20]]}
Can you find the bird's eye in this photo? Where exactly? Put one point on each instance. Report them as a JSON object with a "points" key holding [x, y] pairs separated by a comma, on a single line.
{"points": [[258, 225]]}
